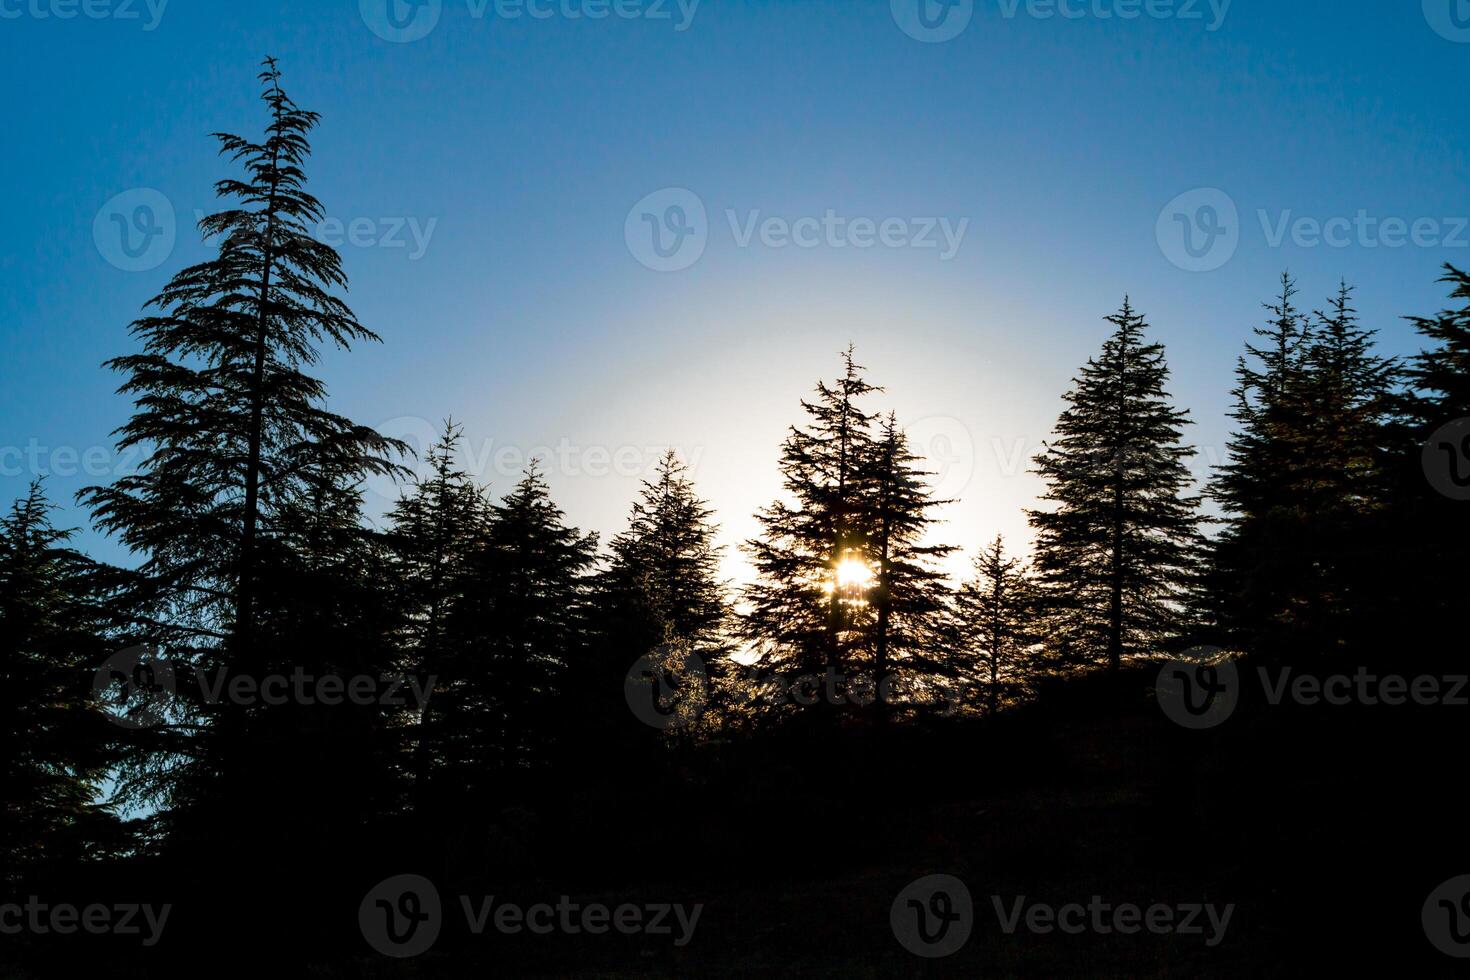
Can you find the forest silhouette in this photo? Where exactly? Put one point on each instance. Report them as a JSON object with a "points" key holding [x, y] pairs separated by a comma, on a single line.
{"points": [[278, 704]]}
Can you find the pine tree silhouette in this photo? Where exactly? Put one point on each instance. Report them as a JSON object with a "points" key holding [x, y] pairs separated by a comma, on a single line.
{"points": [[58, 745], [799, 617], [521, 622], [435, 528], [1421, 540], [1250, 565], [996, 624], [1118, 552], [246, 513], [662, 580], [910, 595], [1336, 482]]}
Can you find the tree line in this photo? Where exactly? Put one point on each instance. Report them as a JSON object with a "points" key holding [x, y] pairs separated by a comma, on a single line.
{"points": [[254, 559]]}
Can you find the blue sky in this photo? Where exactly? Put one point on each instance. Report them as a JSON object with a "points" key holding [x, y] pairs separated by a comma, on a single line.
{"points": [[488, 183]]}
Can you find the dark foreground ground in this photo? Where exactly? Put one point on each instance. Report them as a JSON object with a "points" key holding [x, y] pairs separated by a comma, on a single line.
{"points": [[1327, 827]]}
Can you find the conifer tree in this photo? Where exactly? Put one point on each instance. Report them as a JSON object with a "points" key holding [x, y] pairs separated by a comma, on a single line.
{"points": [[1247, 572], [57, 743], [1439, 376], [805, 611], [660, 595], [1117, 551], [1346, 391], [1336, 486], [995, 623], [1267, 377], [1305, 484], [910, 597], [662, 579], [237, 431], [1430, 534], [436, 527], [245, 513], [521, 623], [1424, 536]]}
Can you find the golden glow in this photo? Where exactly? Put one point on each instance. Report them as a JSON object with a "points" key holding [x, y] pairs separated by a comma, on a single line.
{"points": [[853, 575], [850, 580]]}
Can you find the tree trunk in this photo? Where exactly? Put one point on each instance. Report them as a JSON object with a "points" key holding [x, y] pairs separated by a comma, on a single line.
{"points": [[245, 592]]}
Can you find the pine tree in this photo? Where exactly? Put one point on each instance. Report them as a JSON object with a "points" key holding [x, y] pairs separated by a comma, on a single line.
{"points": [[1423, 537], [1336, 484], [521, 623], [660, 595], [995, 623], [1117, 553], [1266, 378], [246, 514], [1439, 376], [435, 529], [662, 580], [1346, 390], [237, 430], [58, 745], [806, 610], [1247, 572], [909, 596], [1304, 485]]}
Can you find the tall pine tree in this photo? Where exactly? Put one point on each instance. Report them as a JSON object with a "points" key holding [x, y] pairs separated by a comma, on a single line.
{"points": [[1117, 552], [661, 595], [1335, 488], [1250, 564], [521, 626], [910, 596], [237, 431], [436, 527], [245, 514], [806, 610], [1423, 538], [1439, 376]]}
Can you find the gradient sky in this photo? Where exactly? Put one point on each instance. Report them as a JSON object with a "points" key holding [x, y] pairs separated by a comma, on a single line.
{"points": [[518, 148]]}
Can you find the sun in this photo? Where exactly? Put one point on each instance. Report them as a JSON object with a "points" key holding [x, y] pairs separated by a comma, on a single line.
{"points": [[853, 573], [850, 580]]}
